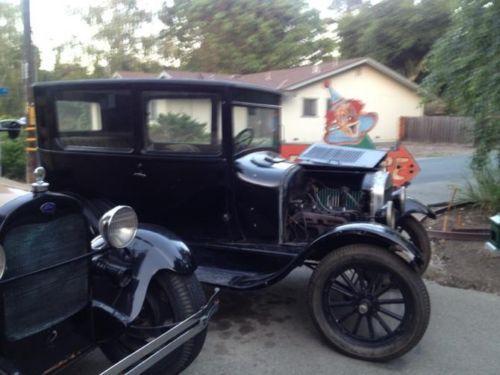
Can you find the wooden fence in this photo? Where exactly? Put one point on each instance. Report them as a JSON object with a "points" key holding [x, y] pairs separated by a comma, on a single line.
{"points": [[437, 129]]}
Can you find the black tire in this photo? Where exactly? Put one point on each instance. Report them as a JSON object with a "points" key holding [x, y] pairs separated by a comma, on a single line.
{"points": [[170, 298], [8, 368], [381, 287], [415, 231]]}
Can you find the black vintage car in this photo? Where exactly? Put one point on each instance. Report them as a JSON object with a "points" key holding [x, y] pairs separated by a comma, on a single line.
{"points": [[71, 281], [201, 158]]}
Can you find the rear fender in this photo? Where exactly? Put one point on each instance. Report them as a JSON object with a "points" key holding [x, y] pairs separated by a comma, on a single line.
{"points": [[154, 249], [366, 233], [412, 206]]}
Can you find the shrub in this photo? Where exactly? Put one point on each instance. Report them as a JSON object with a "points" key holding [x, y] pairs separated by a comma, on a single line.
{"points": [[13, 157], [485, 191]]}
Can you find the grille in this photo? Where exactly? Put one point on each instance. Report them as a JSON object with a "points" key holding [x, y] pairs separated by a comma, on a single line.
{"points": [[336, 198], [35, 302], [341, 155]]}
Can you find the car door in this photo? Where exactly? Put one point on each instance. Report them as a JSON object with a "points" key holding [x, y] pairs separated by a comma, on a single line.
{"points": [[86, 140], [182, 171]]}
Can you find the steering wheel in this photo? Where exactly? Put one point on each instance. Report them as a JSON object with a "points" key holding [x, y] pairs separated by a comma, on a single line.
{"points": [[244, 138]]}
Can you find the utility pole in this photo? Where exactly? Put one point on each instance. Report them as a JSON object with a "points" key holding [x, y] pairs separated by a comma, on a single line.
{"points": [[28, 72]]}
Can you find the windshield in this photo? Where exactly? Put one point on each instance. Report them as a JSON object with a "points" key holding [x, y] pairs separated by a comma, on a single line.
{"points": [[255, 127]]}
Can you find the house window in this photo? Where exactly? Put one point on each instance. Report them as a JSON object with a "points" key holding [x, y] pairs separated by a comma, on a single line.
{"points": [[310, 108]]}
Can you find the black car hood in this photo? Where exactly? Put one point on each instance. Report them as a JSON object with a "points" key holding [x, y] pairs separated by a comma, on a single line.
{"points": [[263, 168], [340, 156]]}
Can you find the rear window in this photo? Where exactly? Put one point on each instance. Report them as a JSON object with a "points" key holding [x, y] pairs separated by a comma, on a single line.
{"points": [[89, 120]]}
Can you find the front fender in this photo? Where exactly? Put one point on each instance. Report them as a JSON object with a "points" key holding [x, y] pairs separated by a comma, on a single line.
{"points": [[154, 249], [368, 233], [412, 206]]}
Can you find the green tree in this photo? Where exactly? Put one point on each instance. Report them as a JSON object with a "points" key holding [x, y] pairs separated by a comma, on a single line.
{"points": [[120, 42], [11, 105], [66, 70], [464, 70], [245, 36], [397, 33]]}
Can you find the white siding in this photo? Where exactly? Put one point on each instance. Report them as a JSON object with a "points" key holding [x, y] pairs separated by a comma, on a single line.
{"points": [[380, 94]]}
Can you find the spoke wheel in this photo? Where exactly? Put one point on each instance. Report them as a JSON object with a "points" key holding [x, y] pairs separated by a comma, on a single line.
{"points": [[170, 298], [155, 312], [413, 230], [368, 303]]}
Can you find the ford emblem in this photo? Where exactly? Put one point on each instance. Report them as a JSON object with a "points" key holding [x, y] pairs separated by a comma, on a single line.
{"points": [[48, 208]]}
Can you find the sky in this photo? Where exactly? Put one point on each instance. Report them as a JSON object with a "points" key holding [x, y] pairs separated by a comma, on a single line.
{"points": [[52, 23]]}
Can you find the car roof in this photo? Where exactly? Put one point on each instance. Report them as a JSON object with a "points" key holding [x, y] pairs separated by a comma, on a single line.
{"points": [[153, 84]]}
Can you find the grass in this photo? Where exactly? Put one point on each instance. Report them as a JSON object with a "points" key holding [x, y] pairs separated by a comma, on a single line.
{"points": [[485, 190]]}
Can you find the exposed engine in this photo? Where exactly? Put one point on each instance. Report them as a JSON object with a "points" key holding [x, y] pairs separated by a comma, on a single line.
{"points": [[321, 208]]}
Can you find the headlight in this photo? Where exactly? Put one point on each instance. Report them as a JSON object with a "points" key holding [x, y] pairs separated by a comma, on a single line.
{"points": [[2, 262], [399, 198], [118, 226], [386, 215], [379, 184]]}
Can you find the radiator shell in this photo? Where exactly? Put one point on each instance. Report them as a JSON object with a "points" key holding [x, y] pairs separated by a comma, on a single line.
{"points": [[33, 301]]}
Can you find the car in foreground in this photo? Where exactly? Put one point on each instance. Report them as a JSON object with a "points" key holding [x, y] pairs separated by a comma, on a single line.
{"points": [[71, 281], [201, 158]]}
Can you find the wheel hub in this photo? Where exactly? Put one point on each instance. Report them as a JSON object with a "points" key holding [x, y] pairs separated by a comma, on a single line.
{"points": [[364, 306]]}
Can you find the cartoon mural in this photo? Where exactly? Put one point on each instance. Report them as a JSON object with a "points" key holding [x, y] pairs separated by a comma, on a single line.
{"points": [[346, 124]]}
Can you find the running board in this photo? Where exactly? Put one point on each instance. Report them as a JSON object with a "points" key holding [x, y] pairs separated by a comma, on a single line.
{"points": [[232, 278], [151, 353]]}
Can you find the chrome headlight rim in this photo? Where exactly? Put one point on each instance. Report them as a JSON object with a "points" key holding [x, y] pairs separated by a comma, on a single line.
{"points": [[387, 215], [399, 197], [3, 262], [381, 183], [118, 226], [390, 215]]}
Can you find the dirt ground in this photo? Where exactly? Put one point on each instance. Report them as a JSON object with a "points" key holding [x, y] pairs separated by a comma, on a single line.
{"points": [[464, 264]]}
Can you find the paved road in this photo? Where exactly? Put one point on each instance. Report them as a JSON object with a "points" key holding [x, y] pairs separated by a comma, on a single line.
{"points": [[438, 178], [270, 332]]}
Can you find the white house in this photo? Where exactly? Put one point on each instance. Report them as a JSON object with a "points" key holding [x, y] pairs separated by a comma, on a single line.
{"points": [[305, 99]]}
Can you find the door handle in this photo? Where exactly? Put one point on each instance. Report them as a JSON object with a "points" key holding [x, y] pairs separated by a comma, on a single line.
{"points": [[139, 173]]}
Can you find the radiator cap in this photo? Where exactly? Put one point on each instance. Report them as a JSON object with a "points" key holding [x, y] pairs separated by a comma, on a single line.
{"points": [[39, 186]]}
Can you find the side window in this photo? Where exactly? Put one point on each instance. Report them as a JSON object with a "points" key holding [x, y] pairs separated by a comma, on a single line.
{"points": [[185, 125], [78, 116], [310, 108], [90, 120], [255, 127]]}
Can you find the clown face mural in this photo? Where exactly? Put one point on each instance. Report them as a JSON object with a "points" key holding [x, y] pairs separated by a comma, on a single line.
{"points": [[346, 123]]}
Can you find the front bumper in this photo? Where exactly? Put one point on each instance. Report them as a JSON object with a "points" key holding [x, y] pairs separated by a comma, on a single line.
{"points": [[147, 356]]}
